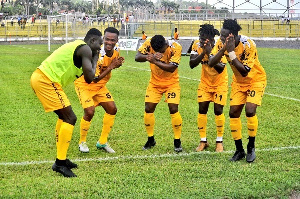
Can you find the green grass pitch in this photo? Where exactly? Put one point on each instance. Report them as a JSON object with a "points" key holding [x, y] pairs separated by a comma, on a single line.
{"points": [[27, 146]]}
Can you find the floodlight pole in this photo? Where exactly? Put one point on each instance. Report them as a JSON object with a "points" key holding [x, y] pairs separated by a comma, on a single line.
{"points": [[67, 28], [49, 32]]}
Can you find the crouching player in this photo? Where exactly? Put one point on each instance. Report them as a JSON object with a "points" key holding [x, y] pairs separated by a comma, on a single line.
{"points": [[213, 86], [97, 94]]}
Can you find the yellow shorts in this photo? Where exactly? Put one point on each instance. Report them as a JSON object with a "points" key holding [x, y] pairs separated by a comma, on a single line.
{"points": [[89, 97], [154, 93], [250, 93], [217, 95], [49, 93]]}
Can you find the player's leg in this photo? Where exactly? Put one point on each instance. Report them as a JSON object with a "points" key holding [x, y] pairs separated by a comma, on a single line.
{"points": [[202, 122], [107, 124], [85, 97], [63, 139], [152, 98], [254, 99], [173, 99], [54, 99], [176, 121], [85, 124], [149, 121], [236, 131], [252, 124], [220, 98], [220, 123], [238, 99]]}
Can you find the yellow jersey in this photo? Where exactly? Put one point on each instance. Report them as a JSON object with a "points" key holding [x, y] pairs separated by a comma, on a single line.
{"points": [[144, 36], [172, 55], [209, 76], [246, 53], [176, 35], [103, 62]]}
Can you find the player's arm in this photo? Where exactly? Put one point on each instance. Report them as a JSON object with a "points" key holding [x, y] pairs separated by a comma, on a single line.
{"points": [[195, 59], [219, 67], [115, 63], [215, 59], [89, 62], [139, 57], [155, 59], [230, 45]]}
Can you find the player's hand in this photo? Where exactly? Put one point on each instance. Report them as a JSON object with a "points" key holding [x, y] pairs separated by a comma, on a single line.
{"points": [[117, 62], [230, 43], [158, 56], [151, 58], [207, 47]]}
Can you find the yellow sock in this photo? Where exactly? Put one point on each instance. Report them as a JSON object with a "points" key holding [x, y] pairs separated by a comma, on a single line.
{"points": [[236, 128], [202, 121], [220, 121], [176, 124], [108, 122], [57, 128], [84, 128], [252, 124], [149, 120], [64, 139]]}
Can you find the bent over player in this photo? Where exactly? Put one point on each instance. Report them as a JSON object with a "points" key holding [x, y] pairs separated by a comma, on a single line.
{"points": [[164, 57], [213, 86], [62, 67], [96, 93], [248, 84]]}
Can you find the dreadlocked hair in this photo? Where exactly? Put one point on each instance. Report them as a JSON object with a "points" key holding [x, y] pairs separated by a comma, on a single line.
{"points": [[232, 26], [208, 29], [157, 42]]}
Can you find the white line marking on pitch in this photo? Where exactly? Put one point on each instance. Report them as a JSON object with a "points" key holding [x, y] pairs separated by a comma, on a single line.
{"points": [[283, 97], [167, 155]]}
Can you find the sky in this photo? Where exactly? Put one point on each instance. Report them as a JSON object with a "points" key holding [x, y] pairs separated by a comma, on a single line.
{"points": [[252, 6]]}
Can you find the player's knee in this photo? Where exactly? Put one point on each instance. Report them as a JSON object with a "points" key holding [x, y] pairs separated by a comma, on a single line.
{"points": [[218, 111], [89, 113], [173, 110], [71, 119], [250, 113], [113, 111], [149, 108], [203, 110], [234, 114]]}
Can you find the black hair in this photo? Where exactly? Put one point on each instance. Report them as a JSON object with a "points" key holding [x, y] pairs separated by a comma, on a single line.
{"points": [[92, 32], [157, 42], [209, 30], [232, 26], [111, 30]]}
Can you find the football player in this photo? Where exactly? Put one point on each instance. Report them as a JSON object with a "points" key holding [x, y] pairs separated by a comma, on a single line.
{"points": [[213, 86], [248, 84], [96, 93], [164, 57], [62, 67]]}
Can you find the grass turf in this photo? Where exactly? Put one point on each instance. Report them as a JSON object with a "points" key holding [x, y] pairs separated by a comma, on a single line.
{"points": [[27, 148]]}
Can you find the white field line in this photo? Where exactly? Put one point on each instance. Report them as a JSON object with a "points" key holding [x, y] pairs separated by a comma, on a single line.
{"points": [[139, 157], [279, 96]]}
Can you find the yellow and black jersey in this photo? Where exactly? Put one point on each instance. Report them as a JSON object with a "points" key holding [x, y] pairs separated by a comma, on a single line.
{"points": [[209, 76], [171, 55], [246, 53]]}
